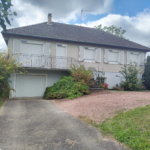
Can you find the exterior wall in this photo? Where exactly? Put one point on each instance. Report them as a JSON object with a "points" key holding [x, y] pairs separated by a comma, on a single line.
{"points": [[73, 51], [52, 76]]}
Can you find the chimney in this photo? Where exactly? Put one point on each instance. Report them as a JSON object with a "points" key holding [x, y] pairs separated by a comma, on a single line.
{"points": [[49, 19]]}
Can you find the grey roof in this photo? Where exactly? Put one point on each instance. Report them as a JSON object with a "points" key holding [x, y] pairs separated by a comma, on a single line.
{"points": [[73, 33]]}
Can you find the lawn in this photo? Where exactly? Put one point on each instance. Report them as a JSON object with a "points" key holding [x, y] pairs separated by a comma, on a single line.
{"points": [[131, 128]]}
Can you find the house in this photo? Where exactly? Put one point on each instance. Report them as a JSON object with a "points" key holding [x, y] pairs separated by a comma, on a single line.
{"points": [[47, 50]]}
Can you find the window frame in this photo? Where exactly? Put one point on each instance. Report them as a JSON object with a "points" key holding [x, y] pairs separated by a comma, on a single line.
{"points": [[115, 51], [92, 49], [134, 53]]}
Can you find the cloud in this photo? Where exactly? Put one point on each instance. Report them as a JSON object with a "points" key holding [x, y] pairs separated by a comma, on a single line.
{"points": [[36, 11], [137, 27], [66, 10]]}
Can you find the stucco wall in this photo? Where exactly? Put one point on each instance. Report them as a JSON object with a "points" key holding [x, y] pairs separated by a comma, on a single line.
{"points": [[73, 51]]}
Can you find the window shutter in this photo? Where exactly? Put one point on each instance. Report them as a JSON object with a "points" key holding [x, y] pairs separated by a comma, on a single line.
{"points": [[128, 57], [81, 53], [46, 49], [141, 59], [98, 55], [16, 46], [106, 56], [121, 57]]}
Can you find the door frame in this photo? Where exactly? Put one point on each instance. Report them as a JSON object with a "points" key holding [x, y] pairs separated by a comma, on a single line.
{"points": [[29, 74]]}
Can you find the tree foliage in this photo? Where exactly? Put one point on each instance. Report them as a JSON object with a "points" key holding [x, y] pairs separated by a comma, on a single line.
{"points": [[81, 74], [66, 87], [129, 78], [112, 30], [8, 66], [146, 75], [6, 13]]}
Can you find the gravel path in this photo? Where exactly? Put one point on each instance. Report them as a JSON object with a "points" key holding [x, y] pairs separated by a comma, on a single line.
{"points": [[100, 105]]}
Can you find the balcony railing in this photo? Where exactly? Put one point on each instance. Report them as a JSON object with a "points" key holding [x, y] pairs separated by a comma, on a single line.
{"points": [[44, 61]]}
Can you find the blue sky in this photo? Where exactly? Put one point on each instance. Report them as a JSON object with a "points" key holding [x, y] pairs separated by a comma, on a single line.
{"points": [[122, 7], [131, 15]]}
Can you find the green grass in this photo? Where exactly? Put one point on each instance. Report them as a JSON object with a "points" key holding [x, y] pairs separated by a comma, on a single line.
{"points": [[131, 128]]}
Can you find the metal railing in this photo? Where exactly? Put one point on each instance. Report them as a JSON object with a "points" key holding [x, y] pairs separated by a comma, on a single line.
{"points": [[44, 61], [49, 62]]}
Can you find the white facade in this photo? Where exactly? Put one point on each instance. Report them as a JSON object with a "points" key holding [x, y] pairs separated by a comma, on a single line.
{"points": [[47, 61]]}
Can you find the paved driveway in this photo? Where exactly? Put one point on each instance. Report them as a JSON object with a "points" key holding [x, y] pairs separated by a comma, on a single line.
{"points": [[40, 125]]}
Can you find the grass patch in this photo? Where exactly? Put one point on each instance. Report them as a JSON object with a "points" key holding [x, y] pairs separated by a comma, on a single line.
{"points": [[131, 128]]}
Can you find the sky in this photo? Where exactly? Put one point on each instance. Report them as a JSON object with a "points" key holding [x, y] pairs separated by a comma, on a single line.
{"points": [[131, 15]]}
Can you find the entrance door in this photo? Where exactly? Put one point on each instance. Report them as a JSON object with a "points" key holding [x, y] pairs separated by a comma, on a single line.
{"points": [[61, 56]]}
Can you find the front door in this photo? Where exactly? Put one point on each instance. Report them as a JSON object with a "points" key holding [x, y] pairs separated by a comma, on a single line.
{"points": [[61, 56]]}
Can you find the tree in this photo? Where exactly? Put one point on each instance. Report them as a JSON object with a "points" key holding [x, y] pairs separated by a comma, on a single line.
{"points": [[129, 78], [8, 66], [5, 13], [112, 30], [146, 75]]}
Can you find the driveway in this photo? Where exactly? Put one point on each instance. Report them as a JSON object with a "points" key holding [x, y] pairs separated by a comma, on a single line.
{"points": [[41, 125]]}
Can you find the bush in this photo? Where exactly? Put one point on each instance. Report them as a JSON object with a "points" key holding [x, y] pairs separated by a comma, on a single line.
{"points": [[105, 86], [129, 79], [146, 75], [8, 66], [118, 88], [80, 74], [66, 87]]}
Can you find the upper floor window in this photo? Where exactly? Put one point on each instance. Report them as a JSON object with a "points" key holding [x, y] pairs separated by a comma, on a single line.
{"points": [[31, 47], [89, 54], [135, 57], [112, 56]]}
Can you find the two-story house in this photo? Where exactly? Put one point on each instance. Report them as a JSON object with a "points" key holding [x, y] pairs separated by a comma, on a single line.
{"points": [[47, 50]]}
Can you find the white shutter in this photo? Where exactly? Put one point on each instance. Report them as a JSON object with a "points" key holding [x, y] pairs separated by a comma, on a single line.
{"points": [[121, 57], [16, 46], [46, 49], [98, 55], [81, 53], [128, 57], [106, 56], [46, 58], [141, 58]]}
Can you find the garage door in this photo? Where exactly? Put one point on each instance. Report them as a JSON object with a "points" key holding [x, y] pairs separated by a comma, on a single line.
{"points": [[30, 85]]}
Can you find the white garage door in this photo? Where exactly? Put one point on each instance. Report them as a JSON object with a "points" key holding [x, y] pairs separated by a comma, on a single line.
{"points": [[30, 85]]}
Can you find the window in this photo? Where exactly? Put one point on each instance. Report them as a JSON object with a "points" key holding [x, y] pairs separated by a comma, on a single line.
{"points": [[89, 54], [30, 48], [134, 57], [113, 56], [137, 57]]}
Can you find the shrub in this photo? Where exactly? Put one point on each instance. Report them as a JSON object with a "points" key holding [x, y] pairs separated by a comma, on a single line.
{"points": [[101, 85], [118, 88], [129, 79], [8, 66], [66, 87], [105, 86], [146, 75], [80, 74]]}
